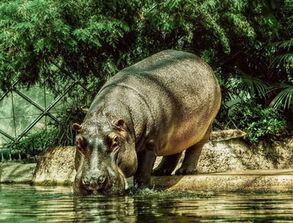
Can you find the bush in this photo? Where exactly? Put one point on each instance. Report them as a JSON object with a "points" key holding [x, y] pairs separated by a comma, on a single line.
{"points": [[53, 42], [33, 144], [256, 121], [60, 134], [65, 136]]}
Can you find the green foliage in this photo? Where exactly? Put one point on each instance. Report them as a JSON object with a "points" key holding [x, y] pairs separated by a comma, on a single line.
{"points": [[48, 39], [65, 135], [60, 134], [33, 144], [55, 40], [248, 42], [284, 99], [256, 121], [240, 108], [283, 59], [245, 86]]}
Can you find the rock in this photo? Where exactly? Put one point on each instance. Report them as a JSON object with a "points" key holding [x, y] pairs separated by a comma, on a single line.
{"points": [[217, 136], [241, 181], [235, 154], [12, 172], [236, 181], [55, 167], [226, 151]]}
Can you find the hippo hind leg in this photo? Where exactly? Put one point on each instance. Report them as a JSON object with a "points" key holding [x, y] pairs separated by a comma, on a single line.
{"points": [[191, 157], [190, 160], [167, 165]]}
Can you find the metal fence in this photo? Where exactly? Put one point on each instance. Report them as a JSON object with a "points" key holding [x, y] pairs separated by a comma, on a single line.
{"points": [[26, 111]]}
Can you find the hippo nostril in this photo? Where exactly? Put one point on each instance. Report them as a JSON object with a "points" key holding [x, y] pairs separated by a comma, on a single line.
{"points": [[94, 181], [101, 180], [85, 182]]}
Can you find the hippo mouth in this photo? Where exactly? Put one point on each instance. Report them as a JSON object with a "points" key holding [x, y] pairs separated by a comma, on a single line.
{"points": [[113, 186], [108, 190], [101, 191]]}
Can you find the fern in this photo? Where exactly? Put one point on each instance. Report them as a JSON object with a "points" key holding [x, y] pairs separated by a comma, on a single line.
{"points": [[254, 86], [284, 99], [286, 44]]}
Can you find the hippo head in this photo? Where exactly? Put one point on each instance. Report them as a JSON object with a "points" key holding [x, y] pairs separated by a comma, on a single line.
{"points": [[105, 157]]}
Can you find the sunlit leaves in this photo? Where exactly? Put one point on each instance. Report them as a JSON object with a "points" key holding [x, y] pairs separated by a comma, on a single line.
{"points": [[85, 35], [55, 32], [240, 24], [249, 41]]}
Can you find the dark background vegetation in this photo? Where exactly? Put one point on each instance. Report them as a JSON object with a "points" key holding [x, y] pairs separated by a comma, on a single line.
{"points": [[247, 43]]}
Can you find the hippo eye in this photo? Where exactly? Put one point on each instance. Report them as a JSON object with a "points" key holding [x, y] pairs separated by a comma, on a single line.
{"points": [[82, 150], [112, 142], [81, 143]]}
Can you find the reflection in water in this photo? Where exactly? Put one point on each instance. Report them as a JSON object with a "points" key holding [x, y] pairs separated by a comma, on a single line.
{"points": [[23, 203], [103, 209]]}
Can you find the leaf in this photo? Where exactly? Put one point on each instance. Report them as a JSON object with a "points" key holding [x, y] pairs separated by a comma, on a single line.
{"points": [[284, 99], [253, 85]]}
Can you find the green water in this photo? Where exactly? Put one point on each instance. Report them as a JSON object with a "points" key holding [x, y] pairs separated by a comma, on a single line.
{"points": [[24, 203]]}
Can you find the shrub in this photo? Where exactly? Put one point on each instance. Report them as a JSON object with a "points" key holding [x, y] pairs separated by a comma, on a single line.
{"points": [[258, 122], [33, 144]]}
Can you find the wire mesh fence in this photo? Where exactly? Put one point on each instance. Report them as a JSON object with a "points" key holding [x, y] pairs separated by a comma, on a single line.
{"points": [[27, 111]]}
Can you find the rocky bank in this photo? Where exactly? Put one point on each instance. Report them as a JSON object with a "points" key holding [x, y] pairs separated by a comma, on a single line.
{"points": [[227, 163]]}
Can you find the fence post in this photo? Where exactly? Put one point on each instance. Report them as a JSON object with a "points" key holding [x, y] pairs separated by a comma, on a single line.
{"points": [[2, 157]]}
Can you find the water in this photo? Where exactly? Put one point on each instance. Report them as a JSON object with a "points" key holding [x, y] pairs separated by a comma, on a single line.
{"points": [[24, 203]]}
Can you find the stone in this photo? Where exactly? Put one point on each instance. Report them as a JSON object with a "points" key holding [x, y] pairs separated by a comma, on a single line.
{"points": [[55, 167], [224, 135], [227, 151], [12, 172], [236, 154], [237, 181]]}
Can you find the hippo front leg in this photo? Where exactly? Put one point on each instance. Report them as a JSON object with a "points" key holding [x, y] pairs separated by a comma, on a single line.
{"points": [[146, 160]]}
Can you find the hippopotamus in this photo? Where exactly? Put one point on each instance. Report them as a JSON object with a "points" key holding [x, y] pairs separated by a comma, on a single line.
{"points": [[160, 106]]}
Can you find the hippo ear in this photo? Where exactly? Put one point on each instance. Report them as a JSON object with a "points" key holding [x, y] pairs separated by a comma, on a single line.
{"points": [[76, 127], [121, 125]]}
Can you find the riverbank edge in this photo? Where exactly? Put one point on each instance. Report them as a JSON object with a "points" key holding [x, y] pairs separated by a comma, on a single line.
{"points": [[237, 181]]}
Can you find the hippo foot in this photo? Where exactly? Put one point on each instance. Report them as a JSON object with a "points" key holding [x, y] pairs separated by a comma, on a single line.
{"points": [[183, 171], [162, 172]]}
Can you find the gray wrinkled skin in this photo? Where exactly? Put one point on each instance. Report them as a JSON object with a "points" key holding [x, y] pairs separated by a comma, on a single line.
{"points": [[160, 106]]}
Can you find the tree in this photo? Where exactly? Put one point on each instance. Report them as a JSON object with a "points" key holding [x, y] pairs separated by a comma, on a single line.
{"points": [[90, 40]]}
